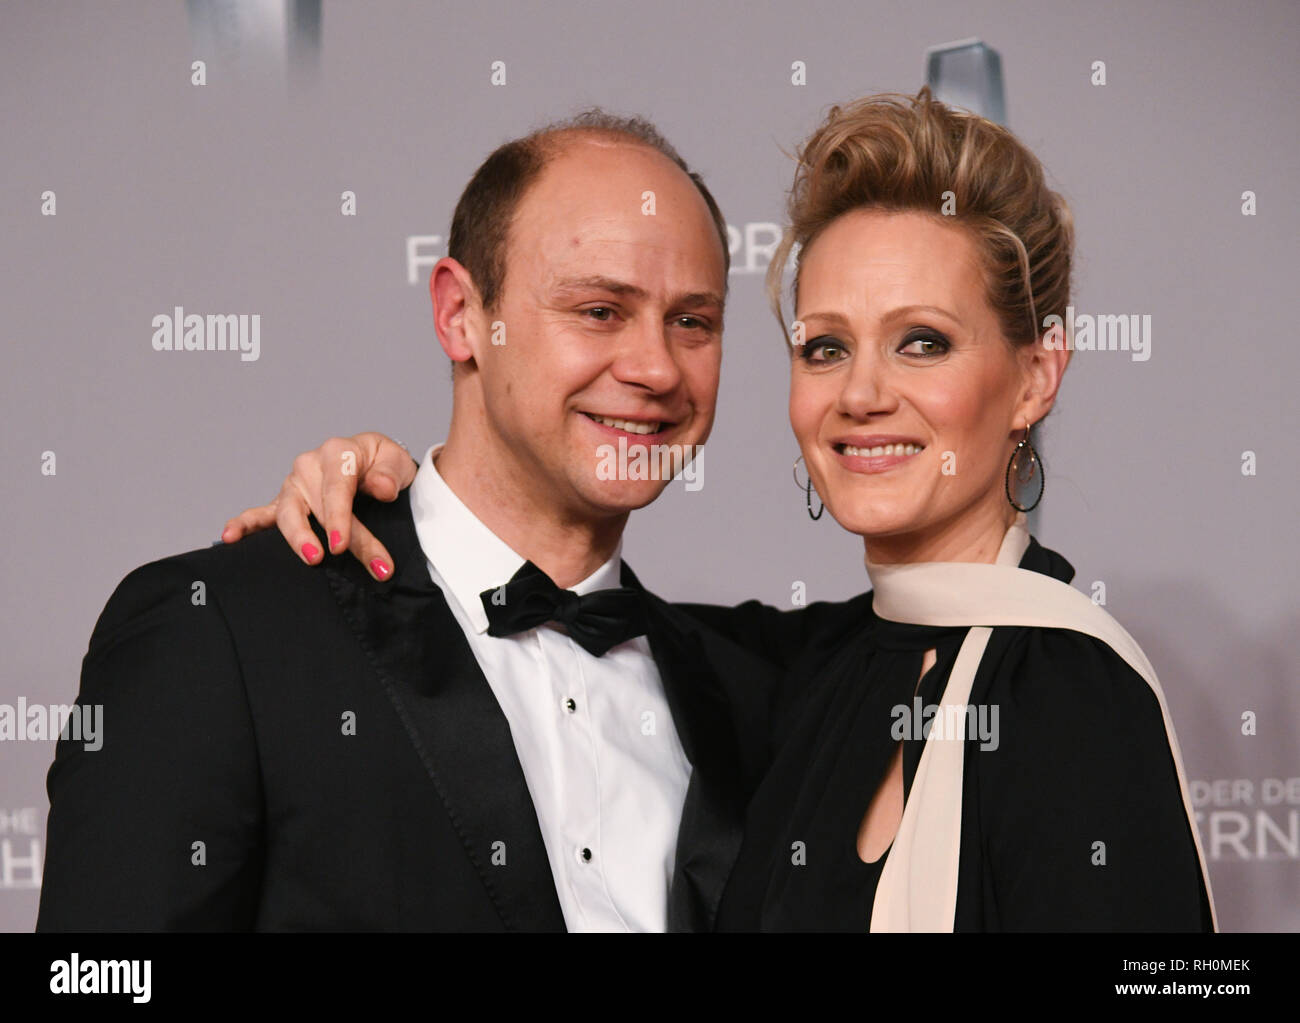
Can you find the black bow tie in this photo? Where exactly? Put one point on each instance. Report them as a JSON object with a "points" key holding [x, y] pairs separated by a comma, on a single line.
{"points": [[595, 621]]}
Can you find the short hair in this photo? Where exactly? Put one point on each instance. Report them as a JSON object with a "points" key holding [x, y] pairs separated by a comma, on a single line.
{"points": [[480, 225], [897, 152]]}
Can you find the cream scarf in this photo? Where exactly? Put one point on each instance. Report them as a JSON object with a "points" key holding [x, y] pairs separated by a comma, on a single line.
{"points": [[918, 886]]}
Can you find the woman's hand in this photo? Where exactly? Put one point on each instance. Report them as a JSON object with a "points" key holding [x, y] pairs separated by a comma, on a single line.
{"points": [[324, 483]]}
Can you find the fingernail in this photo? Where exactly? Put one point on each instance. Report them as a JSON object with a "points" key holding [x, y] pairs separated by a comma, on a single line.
{"points": [[379, 568], [336, 538], [309, 552]]}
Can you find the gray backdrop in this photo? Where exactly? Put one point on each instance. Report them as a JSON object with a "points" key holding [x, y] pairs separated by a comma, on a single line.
{"points": [[225, 198]]}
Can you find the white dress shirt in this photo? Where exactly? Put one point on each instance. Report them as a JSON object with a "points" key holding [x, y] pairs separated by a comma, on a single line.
{"points": [[595, 737]]}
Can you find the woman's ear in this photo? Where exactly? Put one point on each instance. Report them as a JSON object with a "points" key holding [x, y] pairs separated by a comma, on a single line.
{"points": [[1042, 366]]}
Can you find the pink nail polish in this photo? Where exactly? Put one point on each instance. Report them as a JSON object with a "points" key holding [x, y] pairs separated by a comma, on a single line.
{"points": [[309, 551], [336, 538], [379, 568]]}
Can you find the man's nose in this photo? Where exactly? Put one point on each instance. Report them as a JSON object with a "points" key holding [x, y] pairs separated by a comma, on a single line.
{"points": [[646, 357]]}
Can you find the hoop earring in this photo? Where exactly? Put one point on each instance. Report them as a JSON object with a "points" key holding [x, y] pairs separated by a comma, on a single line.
{"points": [[807, 489], [1033, 463]]}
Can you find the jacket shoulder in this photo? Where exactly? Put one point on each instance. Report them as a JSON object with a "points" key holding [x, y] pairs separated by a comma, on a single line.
{"points": [[259, 566]]}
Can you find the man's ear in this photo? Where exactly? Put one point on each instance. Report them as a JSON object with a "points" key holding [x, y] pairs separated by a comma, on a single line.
{"points": [[1042, 366], [457, 310]]}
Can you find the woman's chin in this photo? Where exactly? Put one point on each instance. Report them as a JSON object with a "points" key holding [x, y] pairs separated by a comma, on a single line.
{"points": [[877, 522]]}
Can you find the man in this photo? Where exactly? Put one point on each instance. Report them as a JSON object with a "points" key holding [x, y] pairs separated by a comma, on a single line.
{"points": [[507, 732]]}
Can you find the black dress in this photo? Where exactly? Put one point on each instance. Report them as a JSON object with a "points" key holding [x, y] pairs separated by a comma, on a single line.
{"points": [[1081, 758]]}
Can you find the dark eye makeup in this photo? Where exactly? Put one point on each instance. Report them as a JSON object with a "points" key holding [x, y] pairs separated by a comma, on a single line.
{"points": [[937, 344]]}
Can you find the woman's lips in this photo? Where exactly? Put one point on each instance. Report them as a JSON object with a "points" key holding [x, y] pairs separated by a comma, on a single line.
{"points": [[875, 458]]}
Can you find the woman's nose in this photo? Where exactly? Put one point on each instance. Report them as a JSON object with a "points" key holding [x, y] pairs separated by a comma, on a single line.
{"points": [[866, 389]]}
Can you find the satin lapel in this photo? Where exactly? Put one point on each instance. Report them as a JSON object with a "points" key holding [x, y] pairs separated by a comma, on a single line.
{"points": [[708, 838], [452, 718]]}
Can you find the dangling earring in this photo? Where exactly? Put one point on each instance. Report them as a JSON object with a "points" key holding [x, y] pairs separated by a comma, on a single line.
{"points": [[1024, 461], [807, 489]]}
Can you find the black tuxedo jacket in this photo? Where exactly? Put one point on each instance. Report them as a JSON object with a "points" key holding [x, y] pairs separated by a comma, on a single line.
{"points": [[296, 748]]}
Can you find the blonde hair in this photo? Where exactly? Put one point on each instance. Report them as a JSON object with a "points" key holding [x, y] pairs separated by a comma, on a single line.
{"points": [[895, 152]]}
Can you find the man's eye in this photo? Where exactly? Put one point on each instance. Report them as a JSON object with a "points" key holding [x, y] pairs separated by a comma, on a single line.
{"points": [[926, 346], [691, 323], [823, 349], [601, 313]]}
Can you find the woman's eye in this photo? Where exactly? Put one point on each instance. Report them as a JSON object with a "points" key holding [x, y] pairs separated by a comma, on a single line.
{"points": [[925, 346], [823, 349]]}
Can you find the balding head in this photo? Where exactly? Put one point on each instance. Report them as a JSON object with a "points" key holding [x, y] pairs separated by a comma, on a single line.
{"points": [[480, 227]]}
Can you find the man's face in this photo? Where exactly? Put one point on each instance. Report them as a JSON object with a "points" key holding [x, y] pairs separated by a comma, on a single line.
{"points": [[612, 321]]}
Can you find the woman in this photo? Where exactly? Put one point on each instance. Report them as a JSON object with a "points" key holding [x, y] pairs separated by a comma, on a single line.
{"points": [[975, 745], [922, 352]]}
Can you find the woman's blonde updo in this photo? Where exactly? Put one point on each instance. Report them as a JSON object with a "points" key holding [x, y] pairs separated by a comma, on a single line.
{"points": [[898, 152]]}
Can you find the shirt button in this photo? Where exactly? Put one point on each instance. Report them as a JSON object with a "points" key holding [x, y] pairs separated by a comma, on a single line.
{"points": [[570, 705], [584, 854]]}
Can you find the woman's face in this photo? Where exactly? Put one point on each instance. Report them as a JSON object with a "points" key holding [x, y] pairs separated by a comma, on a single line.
{"points": [[905, 398]]}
